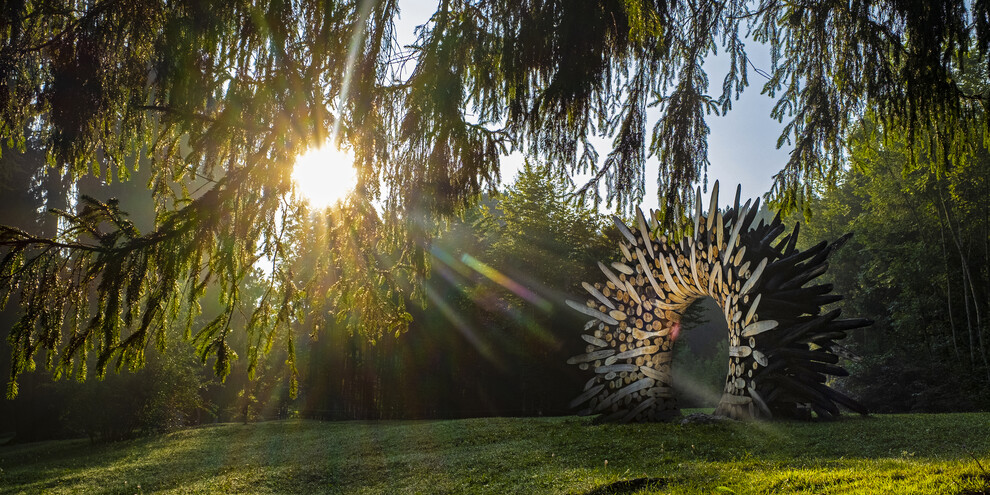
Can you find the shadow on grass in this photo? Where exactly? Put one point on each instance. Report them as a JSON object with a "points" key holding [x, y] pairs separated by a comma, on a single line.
{"points": [[984, 478], [629, 486]]}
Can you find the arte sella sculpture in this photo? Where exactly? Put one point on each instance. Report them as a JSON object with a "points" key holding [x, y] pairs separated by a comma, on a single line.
{"points": [[782, 347]]}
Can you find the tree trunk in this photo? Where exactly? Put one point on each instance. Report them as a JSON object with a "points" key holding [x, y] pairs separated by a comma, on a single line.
{"points": [[956, 236], [948, 287]]}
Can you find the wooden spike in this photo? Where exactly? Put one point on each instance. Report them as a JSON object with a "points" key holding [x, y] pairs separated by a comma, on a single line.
{"points": [[632, 293], [645, 232], [594, 313], [752, 309], [643, 406], [694, 268], [716, 272], [677, 273], [758, 327], [666, 276], [731, 245], [740, 351], [759, 401], [753, 278], [843, 400], [618, 315], [623, 268], [760, 358], [595, 341], [753, 212], [641, 335], [590, 383], [624, 229], [625, 251], [697, 216], [591, 323], [739, 257], [611, 276], [591, 356], [638, 351], [735, 204], [587, 395], [669, 306], [649, 273], [616, 368], [642, 383], [712, 206], [720, 231], [597, 295], [657, 375], [743, 269]]}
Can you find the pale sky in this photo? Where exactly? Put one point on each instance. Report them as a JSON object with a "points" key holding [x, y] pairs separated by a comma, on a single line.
{"points": [[741, 146]]}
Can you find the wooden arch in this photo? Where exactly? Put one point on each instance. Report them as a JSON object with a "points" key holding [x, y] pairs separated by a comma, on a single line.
{"points": [[781, 346]]}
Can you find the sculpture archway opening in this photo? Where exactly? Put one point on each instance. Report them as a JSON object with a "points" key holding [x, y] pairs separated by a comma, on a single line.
{"points": [[782, 347], [700, 347]]}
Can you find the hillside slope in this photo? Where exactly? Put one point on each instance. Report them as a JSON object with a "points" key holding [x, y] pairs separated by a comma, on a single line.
{"points": [[880, 454]]}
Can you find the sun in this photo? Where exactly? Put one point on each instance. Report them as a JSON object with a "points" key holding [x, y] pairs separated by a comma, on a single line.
{"points": [[323, 176]]}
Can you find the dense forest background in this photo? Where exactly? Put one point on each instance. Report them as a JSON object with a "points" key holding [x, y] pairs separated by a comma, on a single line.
{"points": [[494, 333]]}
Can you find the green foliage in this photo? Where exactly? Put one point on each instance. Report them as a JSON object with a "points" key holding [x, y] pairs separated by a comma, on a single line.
{"points": [[218, 98], [539, 228], [883, 454], [494, 332], [162, 396], [917, 265]]}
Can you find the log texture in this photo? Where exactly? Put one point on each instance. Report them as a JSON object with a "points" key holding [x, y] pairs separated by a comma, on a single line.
{"points": [[782, 346]]}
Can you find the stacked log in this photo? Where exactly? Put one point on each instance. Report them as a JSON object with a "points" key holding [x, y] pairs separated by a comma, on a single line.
{"points": [[781, 347]]}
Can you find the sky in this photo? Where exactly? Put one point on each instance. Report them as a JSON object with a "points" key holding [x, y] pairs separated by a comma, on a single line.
{"points": [[742, 146]]}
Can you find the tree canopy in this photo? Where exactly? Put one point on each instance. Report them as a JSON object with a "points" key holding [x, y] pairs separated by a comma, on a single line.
{"points": [[218, 98], [919, 266]]}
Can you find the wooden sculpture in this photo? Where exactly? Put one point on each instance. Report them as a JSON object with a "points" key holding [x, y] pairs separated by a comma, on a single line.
{"points": [[781, 346]]}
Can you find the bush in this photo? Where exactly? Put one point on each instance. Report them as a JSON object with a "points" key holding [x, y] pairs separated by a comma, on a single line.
{"points": [[162, 396]]}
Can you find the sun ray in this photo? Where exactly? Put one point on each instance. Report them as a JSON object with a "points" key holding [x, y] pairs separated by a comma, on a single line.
{"points": [[324, 176]]}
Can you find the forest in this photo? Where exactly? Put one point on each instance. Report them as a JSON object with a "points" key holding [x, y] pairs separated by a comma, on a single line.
{"points": [[160, 267], [493, 335]]}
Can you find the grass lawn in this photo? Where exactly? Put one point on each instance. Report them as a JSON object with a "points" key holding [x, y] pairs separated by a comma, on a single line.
{"points": [[922, 453]]}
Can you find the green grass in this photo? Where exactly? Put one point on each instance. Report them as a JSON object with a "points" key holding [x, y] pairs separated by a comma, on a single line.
{"points": [[921, 453]]}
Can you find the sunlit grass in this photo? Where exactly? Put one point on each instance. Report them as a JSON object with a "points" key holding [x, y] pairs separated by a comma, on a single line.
{"points": [[882, 454]]}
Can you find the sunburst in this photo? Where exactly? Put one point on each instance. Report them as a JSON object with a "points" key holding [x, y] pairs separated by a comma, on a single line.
{"points": [[323, 176]]}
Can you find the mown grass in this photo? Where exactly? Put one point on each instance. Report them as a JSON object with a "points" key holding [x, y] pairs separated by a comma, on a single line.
{"points": [[879, 454]]}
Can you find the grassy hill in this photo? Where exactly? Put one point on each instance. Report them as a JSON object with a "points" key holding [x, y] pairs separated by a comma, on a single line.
{"points": [[881, 454]]}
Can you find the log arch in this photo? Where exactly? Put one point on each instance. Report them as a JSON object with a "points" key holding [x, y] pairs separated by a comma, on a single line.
{"points": [[782, 347]]}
